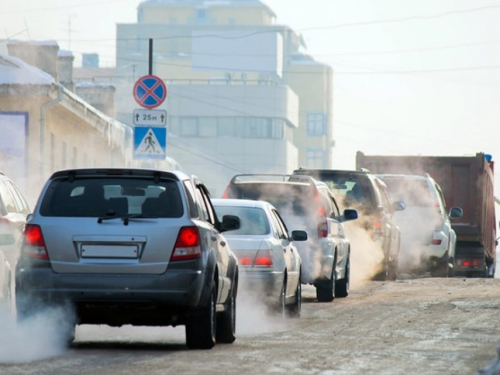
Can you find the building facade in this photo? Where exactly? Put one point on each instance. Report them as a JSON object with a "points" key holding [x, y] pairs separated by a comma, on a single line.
{"points": [[45, 126], [243, 97]]}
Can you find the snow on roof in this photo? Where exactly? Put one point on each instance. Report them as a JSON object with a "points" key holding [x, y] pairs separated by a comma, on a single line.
{"points": [[87, 84], [65, 53], [16, 71], [51, 43]]}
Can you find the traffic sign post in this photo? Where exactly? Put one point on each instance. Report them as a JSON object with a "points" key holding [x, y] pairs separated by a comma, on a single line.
{"points": [[150, 142], [150, 91], [150, 117]]}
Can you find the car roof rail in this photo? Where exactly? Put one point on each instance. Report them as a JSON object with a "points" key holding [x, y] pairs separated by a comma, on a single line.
{"points": [[364, 170]]}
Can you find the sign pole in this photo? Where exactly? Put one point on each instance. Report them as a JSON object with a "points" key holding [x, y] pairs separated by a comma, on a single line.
{"points": [[150, 56]]}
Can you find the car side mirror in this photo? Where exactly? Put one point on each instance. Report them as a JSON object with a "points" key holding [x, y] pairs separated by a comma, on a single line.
{"points": [[456, 213], [230, 222], [299, 235], [349, 214], [7, 239], [398, 206]]}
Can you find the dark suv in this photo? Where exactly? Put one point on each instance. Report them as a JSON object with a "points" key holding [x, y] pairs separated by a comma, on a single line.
{"points": [[306, 204], [369, 195]]}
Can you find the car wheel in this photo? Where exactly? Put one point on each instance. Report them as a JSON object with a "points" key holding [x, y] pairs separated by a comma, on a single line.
{"points": [[325, 289], [451, 269], [226, 322], [281, 306], [342, 286], [201, 327], [441, 268], [296, 307], [392, 271]]}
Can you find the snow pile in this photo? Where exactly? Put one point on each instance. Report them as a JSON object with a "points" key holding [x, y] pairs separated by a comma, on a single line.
{"points": [[16, 71]]}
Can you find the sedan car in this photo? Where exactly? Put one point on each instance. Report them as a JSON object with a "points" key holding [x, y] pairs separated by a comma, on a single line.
{"points": [[130, 246], [269, 262]]}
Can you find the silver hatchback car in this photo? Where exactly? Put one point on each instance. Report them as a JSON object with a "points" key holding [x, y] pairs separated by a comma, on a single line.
{"points": [[130, 246]]}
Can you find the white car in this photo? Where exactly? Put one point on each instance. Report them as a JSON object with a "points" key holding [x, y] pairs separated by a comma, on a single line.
{"points": [[427, 240], [269, 263]]}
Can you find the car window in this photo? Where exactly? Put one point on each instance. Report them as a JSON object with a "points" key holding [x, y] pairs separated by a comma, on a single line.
{"points": [[206, 207], [100, 197], [253, 221], [415, 193], [7, 199], [281, 227], [385, 197], [442, 202], [193, 206], [21, 203]]}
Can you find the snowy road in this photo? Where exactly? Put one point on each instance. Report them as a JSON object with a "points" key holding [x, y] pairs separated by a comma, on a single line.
{"points": [[419, 326]]}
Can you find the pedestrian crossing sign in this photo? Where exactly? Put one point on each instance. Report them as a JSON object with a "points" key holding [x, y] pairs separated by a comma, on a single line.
{"points": [[150, 142]]}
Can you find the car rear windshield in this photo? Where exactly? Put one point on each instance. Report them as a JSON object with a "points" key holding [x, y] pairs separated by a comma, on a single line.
{"points": [[288, 198], [415, 193], [350, 189], [108, 197], [253, 221]]}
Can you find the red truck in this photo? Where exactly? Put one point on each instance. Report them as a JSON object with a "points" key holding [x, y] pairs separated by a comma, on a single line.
{"points": [[467, 182]]}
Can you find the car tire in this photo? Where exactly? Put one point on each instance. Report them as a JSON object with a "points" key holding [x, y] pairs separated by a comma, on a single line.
{"points": [[281, 306], [226, 321], [392, 271], [201, 327], [325, 289], [441, 268], [451, 269], [295, 308], [342, 286]]}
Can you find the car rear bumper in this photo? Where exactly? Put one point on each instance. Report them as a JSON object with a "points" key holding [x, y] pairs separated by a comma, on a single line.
{"points": [[267, 283], [114, 299]]}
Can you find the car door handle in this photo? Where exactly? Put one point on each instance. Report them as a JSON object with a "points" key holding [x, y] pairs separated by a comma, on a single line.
{"points": [[223, 243], [213, 238]]}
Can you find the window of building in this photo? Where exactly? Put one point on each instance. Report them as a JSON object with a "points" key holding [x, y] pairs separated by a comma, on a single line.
{"points": [[201, 15], [64, 154], [207, 127], [316, 124], [74, 159], [315, 158]]}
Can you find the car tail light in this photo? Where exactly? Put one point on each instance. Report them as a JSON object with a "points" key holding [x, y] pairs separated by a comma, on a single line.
{"points": [[260, 258], [245, 261], [436, 241], [34, 243], [187, 245], [470, 263], [263, 258], [225, 195], [322, 222]]}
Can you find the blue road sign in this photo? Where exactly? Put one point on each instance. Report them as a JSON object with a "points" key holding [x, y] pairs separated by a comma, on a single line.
{"points": [[150, 142], [150, 91]]}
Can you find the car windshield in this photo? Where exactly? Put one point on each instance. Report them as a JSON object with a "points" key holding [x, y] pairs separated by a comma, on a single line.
{"points": [[253, 221], [112, 197], [288, 198], [415, 193]]}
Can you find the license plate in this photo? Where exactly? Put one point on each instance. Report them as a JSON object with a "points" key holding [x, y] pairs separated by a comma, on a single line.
{"points": [[109, 251]]}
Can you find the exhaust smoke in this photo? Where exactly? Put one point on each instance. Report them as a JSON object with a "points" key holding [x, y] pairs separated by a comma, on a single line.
{"points": [[39, 337]]}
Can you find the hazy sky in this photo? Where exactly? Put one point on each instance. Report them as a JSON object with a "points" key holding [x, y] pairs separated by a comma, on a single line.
{"points": [[411, 77]]}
